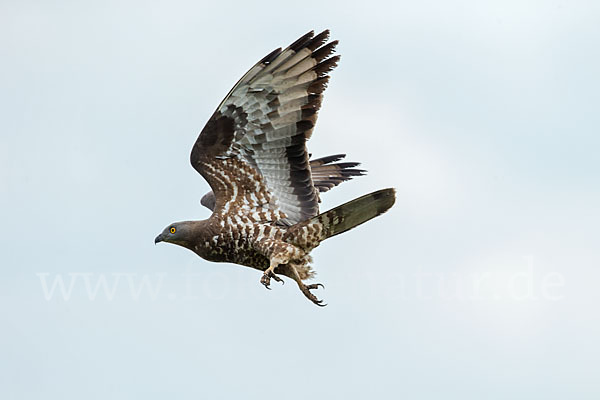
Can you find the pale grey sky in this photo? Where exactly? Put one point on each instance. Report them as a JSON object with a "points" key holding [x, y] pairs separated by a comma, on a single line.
{"points": [[481, 283]]}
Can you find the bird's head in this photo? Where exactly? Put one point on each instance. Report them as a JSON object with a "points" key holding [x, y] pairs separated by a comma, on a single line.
{"points": [[177, 233]]}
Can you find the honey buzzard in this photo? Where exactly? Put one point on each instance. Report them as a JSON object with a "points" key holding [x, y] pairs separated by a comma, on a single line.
{"points": [[265, 188]]}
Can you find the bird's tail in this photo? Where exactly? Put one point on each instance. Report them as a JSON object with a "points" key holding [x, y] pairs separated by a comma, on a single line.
{"points": [[354, 213]]}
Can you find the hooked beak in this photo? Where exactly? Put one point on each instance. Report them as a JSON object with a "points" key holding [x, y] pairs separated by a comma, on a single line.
{"points": [[158, 239]]}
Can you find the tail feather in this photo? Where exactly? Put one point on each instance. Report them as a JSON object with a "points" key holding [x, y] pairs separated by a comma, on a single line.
{"points": [[355, 212]]}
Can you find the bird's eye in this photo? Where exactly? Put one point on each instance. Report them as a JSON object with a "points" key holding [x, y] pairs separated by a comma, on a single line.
{"points": [[173, 229]]}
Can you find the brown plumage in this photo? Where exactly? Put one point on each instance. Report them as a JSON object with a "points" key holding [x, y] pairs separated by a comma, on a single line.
{"points": [[265, 190]]}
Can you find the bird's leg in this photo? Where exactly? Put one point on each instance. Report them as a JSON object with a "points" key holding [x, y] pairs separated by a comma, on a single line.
{"points": [[269, 272], [306, 289]]}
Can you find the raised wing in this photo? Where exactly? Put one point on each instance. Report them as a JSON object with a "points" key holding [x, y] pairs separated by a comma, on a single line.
{"points": [[253, 151], [326, 174]]}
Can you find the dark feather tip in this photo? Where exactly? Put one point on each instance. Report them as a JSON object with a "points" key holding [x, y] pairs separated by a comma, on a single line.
{"points": [[318, 40], [302, 41], [270, 57]]}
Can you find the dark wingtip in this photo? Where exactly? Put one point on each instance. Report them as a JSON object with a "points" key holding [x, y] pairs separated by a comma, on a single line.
{"points": [[318, 40], [270, 57], [327, 159], [302, 41]]}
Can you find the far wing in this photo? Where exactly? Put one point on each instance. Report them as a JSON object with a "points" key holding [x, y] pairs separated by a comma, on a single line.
{"points": [[326, 174]]}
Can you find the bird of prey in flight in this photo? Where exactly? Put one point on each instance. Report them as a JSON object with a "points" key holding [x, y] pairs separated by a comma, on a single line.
{"points": [[265, 188]]}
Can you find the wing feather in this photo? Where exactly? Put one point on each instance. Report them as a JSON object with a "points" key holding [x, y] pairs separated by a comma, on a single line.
{"points": [[256, 139]]}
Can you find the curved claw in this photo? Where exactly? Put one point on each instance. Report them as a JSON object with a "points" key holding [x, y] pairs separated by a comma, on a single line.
{"points": [[320, 302], [266, 279], [306, 290], [315, 286]]}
